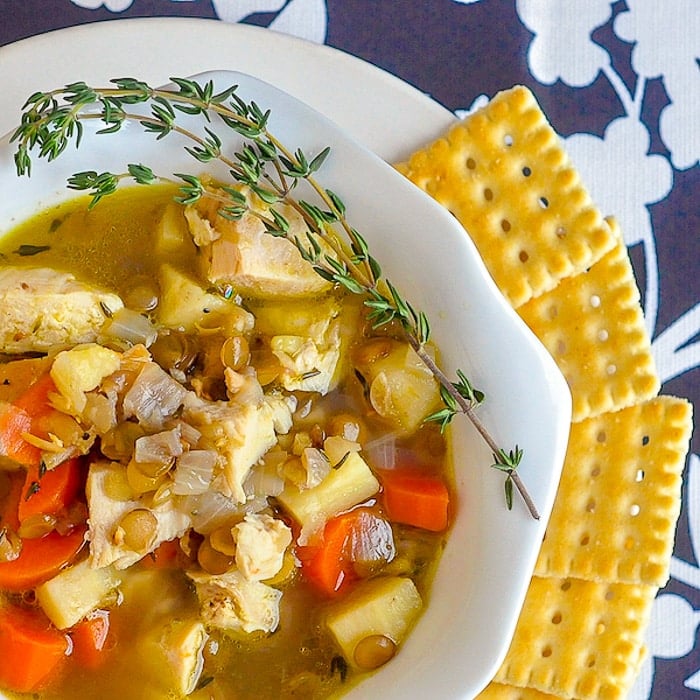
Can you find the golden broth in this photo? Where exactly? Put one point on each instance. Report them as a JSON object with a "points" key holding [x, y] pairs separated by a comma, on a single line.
{"points": [[111, 245]]}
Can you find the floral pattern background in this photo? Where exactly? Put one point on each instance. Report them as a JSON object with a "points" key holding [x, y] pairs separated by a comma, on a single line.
{"points": [[620, 81]]}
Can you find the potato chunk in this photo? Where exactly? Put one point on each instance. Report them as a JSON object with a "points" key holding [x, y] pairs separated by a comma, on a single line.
{"points": [[386, 606], [69, 596]]}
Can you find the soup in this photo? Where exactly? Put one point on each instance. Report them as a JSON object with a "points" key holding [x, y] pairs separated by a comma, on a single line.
{"points": [[215, 476]]}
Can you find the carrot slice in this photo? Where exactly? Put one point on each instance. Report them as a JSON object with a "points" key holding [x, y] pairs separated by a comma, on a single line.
{"points": [[35, 400], [14, 422], [90, 639], [40, 560], [326, 565], [414, 498], [32, 651], [51, 492]]}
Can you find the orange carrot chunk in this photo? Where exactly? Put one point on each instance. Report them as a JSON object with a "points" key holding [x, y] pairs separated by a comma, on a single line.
{"points": [[32, 651], [414, 498], [51, 492], [40, 560], [327, 565], [14, 423], [90, 643]]}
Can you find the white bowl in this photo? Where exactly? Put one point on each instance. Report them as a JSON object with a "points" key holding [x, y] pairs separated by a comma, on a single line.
{"points": [[478, 592]]}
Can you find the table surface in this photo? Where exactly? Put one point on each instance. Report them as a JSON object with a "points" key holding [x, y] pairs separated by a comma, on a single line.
{"points": [[620, 82]]}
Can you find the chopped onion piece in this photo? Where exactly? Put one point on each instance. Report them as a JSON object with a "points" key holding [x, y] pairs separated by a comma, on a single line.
{"points": [[159, 448], [316, 465], [194, 471], [131, 327], [264, 480], [210, 510], [372, 545], [381, 453], [154, 396]]}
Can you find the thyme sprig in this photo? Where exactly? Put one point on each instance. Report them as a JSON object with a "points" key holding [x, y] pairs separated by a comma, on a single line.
{"points": [[51, 121]]}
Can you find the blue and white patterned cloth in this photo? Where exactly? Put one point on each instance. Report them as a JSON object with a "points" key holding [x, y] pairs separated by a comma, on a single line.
{"points": [[620, 81]]}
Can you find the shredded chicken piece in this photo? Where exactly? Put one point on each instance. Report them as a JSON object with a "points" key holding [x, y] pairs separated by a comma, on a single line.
{"points": [[261, 542]]}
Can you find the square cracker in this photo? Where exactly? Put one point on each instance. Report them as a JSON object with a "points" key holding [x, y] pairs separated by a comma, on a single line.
{"points": [[505, 176], [619, 497], [500, 691], [593, 326], [578, 639]]}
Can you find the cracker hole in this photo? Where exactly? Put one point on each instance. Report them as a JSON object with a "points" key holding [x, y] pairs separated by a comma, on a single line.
{"points": [[488, 194], [505, 225], [595, 301], [600, 627], [556, 618], [508, 140], [561, 347], [585, 540], [635, 510], [543, 202], [601, 437], [639, 476], [595, 472], [609, 595], [553, 311], [526, 171], [603, 335], [565, 585], [611, 369], [590, 663], [546, 652], [524, 257], [590, 506], [561, 231], [471, 163], [645, 441]]}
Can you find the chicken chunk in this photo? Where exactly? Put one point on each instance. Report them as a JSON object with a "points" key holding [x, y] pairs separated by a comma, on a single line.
{"points": [[240, 433], [232, 603], [241, 253], [183, 644], [109, 500], [261, 542], [43, 309]]}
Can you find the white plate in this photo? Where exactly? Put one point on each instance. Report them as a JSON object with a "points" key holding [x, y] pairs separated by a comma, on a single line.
{"points": [[386, 114], [459, 643]]}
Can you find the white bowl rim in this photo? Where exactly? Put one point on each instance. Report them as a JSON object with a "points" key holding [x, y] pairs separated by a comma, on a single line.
{"points": [[472, 614]]}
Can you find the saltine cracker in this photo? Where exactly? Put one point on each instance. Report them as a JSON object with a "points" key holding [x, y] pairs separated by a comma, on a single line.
{"points": [[504, 175]]}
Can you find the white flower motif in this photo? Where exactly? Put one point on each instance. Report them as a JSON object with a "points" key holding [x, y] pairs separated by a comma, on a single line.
{"points": [[562, 47], [111, 5], [670, 635], [307, 19], [666, 38], [479, 102], [623, 180]]}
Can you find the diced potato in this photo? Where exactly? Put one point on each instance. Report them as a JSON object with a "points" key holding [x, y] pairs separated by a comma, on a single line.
{"points": [[403, 391], [185, 304], [310, 341], [292, 317], [68, 597], [173, 237], [80, 370], [386, 606], [351, 483]]}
